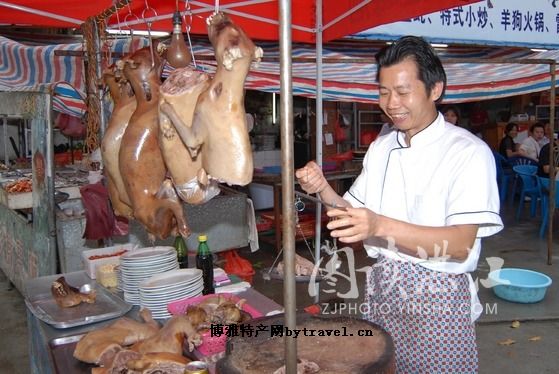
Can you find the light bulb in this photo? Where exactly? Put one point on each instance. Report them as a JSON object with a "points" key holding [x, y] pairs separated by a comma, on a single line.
{"points": [[178, 55]]}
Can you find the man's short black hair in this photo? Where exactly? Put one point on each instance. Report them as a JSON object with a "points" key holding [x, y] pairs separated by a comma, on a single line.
{"points": [[535, 126], [429, 67]]}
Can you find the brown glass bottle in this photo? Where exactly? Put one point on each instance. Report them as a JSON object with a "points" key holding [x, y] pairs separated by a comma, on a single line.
{"points": [[182, 252]]}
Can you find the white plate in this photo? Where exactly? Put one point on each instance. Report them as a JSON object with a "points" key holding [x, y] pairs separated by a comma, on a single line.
{"points": [[147, 273], [147, 253], [171, 296], [148, 265], [172, 277], [171, 289]]}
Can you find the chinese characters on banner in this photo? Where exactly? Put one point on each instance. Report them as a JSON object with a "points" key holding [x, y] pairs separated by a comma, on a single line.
{"points": [[509, 22]]}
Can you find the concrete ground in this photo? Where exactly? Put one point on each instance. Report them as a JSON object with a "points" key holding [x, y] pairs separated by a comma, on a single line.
{"points": [[532, 346]]}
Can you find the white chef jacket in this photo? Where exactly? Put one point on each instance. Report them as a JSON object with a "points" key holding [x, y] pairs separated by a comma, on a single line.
{"points": [[531, 147], [445, 177]]}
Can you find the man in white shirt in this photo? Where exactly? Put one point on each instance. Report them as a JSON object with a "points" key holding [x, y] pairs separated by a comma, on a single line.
{"points": [[548, 134], [426, 196], [531, 146]]}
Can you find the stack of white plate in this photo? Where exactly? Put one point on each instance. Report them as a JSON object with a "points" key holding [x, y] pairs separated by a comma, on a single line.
{"points": [[159, 290], [118, 278], [139, 265]]}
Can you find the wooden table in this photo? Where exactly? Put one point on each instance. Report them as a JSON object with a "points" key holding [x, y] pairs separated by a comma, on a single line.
{"points": [[274, 180]]}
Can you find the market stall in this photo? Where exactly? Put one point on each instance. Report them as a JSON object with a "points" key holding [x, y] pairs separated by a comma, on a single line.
{"points": [[287, 136], [28, 245]]}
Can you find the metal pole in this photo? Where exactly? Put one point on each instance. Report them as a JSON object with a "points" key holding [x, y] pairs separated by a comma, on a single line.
{"points": [[287, 183], [319, 123], [552, 184], [21, 8], [99, 73], [5, 131]]}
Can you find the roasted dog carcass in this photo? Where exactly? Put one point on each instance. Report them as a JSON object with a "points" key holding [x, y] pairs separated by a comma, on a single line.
{"points": [[124, 106], [131, 362], [215, 310], [179, 95], [171, 337], [154, 201], [101, 346], [219, 128], [67, 296]]}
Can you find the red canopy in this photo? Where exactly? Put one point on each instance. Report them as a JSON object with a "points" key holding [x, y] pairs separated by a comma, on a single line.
{"points": [[259, 18]]}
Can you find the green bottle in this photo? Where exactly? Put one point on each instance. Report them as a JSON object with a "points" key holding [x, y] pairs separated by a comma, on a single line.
{"points": [[182, 252], [205, 262]]}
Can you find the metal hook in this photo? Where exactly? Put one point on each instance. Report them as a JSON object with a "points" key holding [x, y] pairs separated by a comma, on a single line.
{"points": [[148, 24], [128, 25], [188, 25], [118, 23]]}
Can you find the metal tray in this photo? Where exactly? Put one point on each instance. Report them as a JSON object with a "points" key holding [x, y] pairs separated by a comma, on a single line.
{"points": [[62, 351], [41, 303]]}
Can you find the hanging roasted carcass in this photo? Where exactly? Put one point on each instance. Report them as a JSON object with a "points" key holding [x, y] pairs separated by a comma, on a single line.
{"points": [[219, 129], [154, 201], [181, 91], [124, 105]]}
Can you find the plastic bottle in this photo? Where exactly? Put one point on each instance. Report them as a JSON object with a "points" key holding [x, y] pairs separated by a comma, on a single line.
{"points": [[205, 262], [182, 252]]}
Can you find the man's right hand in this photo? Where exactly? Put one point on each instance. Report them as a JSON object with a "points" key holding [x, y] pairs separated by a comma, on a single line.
{"points": [[311, 178]]}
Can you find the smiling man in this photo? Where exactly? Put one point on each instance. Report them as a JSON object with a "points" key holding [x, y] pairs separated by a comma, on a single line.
{"points": [[426, 196]]}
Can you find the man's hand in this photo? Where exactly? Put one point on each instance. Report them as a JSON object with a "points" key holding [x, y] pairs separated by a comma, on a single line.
{"points": [[311, 178], [353, 224]]}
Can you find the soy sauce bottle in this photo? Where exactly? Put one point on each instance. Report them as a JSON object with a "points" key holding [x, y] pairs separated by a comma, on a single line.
{"points": [[182, 252], [205, 262]]}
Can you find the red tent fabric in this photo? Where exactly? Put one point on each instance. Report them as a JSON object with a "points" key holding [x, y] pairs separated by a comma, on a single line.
{"points": [[259, 18]]}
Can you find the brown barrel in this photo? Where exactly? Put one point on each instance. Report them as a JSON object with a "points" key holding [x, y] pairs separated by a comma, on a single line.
{"points": [[346, 352]]}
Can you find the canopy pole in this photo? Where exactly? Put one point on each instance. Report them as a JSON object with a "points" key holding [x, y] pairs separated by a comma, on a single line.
{"points": [[287, 185], [319, 123], [5, 131], [552, 184], [41, 13]]}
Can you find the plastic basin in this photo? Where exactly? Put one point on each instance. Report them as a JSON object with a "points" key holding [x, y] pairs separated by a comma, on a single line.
{"points": [[519, 285]]}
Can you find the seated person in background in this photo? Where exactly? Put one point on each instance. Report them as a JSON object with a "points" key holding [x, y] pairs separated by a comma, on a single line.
{"points": [[508, 147], [543, 163], [530, 147], [451, 114]]}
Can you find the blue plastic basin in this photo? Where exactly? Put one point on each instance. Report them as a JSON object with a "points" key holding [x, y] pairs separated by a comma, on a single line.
{"points": [[519, 285]]}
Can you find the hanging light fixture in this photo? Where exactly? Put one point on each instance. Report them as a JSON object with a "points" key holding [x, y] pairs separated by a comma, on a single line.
{"points": [[178, 55]]}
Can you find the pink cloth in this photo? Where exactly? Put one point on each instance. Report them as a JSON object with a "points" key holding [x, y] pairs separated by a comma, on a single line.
{"points": [[100, 220]]}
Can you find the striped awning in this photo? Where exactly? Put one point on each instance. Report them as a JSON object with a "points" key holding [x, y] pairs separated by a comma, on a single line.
{"points": [[349, 71], [352, 77], [39, 67], [66, 99]]}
